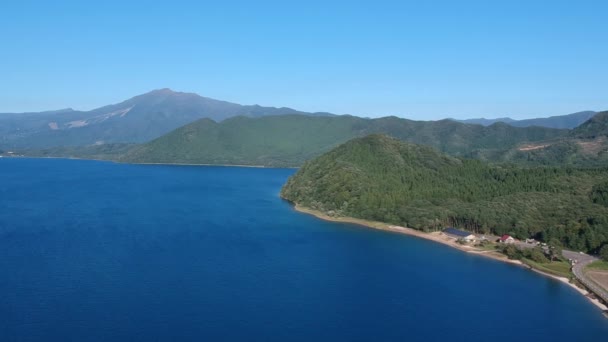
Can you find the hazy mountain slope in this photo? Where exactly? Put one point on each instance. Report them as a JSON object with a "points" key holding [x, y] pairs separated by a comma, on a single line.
{"points": [[385, 179], [272, 141], [596, 126], [560, 121], [484, 121], [136, 120], [151, 115], [586, 145], [289, 140]]}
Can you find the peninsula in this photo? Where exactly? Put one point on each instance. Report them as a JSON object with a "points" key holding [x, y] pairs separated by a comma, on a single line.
{"points": [[388, 184]]}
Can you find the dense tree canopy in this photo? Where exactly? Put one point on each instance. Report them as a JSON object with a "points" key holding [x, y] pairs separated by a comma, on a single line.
{"points": [[599, 194], [383, 179], [604, 252]]}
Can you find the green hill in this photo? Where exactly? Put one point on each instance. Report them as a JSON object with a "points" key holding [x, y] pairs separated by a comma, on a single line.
{"points": [[383, 179], [289, 140], [586, 145], [595, 127]]}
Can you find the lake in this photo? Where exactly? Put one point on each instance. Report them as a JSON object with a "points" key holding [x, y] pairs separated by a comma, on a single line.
{"points": [[98, 251]]}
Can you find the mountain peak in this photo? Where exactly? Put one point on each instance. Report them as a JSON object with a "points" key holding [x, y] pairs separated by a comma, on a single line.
{"points": [[158, 95], [163, 90]]}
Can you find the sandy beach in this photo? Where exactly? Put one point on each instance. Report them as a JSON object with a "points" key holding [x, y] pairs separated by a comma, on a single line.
{"points": [[445, 240]]}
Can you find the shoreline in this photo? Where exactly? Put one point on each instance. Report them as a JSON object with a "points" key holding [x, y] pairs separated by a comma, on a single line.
{"points": [[142, 163], [189, 164], [441, 238]]}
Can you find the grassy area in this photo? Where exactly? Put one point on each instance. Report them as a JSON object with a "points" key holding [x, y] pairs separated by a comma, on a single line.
{"points": [[487, 246], [598, 265], [558, 268]]}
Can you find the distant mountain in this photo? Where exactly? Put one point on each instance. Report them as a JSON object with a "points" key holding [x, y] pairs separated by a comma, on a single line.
{"points": [[383, 179], [289, 140], [584, 146], [139, 119], [560, 121], [595, 127], [484, 121]]}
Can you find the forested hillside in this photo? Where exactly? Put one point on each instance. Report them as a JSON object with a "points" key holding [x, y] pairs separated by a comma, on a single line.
{"points": [[384, 179], [289, 140], [584, 146]]}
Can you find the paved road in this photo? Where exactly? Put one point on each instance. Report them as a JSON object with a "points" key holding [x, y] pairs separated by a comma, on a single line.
{"points": [[578, 270]]}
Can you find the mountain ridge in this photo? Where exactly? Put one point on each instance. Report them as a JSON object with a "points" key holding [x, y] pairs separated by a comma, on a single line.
{"points": [[568, 121], [139, 119], [583, 146], [289, 140], [135, 120]]}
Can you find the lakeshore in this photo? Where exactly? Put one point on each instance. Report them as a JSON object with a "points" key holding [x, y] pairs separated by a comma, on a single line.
{"points": [[150, 163], [441, 238]]}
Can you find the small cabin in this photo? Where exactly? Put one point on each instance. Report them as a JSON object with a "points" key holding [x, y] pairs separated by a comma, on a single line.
{"points": [[506, 239]]}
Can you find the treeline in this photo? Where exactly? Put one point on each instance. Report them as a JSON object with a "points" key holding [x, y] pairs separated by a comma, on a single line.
{"points": [[383, 179]]}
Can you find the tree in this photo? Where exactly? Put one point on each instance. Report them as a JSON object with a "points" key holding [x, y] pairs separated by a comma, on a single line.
{"points": [[599, 194], [604, 252], [537, 255], [512, 252], [555, 249]]}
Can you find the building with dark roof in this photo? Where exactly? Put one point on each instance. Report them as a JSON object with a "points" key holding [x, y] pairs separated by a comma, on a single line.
{"points": [[459, 234]]}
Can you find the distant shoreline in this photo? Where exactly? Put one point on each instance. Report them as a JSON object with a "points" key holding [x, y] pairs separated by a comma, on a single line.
{"points": [[134, 163], [222, 165], [444, 240], [192, 164]]}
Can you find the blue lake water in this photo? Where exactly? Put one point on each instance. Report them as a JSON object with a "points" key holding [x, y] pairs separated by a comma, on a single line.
{"points": [[96, 251]]}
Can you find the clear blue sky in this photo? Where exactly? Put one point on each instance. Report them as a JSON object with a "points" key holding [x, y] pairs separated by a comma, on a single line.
{"points": [[421, 60]]}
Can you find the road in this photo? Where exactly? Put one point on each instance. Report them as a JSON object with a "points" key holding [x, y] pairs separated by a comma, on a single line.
{"points": [[578, 269]]}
